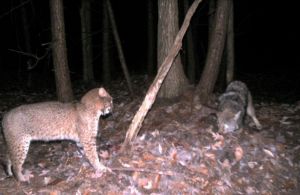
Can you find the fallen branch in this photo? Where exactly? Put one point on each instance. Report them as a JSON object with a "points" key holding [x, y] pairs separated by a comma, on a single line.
{"points": [[131, 169], [162, 72]]}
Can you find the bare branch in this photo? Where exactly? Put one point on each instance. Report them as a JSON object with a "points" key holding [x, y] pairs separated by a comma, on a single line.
{"points": [[37, 59], [162, 72], [14, 8]]}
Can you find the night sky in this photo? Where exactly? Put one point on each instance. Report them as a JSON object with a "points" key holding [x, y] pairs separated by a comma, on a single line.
{"points": [[266, 36]]}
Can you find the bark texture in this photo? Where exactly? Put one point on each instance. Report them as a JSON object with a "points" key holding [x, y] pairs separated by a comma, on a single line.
{"points": [[106, 40], [176, 80], [86, 40], [191, 60], [119, 45], [150, 39], [230, 54], [59, 52], [165, 67], [214, 55]]}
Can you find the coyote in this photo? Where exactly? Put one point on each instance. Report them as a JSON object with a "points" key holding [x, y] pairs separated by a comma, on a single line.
{"points": [[232, 107]]}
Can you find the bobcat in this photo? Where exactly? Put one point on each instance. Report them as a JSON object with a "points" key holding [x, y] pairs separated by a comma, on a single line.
{"points": [[232, 107], [48, 121]]}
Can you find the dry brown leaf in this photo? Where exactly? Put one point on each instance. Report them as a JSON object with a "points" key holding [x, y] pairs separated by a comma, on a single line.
{"points": [[210, 156], [148, 157], [42, 163], [203, 169], [145, 183], [238, 153], [86, 192], [226, 164], [156, 181], [113, 193], [173, 155], [135, 175], [53, 193], [218, 145]]}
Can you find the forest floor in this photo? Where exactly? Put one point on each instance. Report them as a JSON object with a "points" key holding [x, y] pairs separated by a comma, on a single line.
{"points": [[177, 151]]}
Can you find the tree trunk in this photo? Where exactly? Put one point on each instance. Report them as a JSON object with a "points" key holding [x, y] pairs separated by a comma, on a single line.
{"points": [[175, 81], [119, 45], [163, 70], [211, 17], [150, 39], [86, 39], [59, 52], [230, 46], [106, 40], [191, 61], [27, 41], [215, 50]]}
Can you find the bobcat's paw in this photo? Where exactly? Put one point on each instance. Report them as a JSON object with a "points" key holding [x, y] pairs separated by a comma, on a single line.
{"points": [[100, 171], [25, 177], [102, 168]]}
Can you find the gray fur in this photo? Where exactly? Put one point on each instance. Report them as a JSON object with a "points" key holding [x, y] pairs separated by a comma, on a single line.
{"points": [[233, 105]]}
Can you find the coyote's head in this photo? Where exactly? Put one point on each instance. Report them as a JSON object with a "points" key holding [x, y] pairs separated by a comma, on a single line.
{"points": [[228, 121]]}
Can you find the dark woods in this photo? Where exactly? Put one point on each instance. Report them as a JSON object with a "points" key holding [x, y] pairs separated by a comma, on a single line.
{"points": [[226, 40]]}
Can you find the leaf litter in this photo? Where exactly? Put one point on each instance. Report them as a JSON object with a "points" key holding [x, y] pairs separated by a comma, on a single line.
{"points": [[178, 151]]}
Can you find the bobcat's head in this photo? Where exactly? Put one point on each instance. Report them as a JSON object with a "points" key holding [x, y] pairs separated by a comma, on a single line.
{"points": [[98, 100]]}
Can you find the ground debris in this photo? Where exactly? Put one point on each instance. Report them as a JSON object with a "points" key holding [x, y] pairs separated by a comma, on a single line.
{"points": [[177, 152]]}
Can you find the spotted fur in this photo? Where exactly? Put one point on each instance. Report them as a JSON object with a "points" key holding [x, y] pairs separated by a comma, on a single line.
{"points": [[49, 121]]}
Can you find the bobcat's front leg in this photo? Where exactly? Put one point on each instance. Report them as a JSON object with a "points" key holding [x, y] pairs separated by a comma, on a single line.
{"points": [[90, 150]]}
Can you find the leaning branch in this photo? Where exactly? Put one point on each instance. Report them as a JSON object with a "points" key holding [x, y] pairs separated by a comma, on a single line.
{"points": [[162, 72]]}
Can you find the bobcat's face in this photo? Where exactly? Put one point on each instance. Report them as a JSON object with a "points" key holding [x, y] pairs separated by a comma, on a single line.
{"points": [[98, 100], [104, 105]]}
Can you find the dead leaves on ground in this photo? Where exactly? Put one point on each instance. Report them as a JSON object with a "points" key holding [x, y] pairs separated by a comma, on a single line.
{"points": [[177, 152]]}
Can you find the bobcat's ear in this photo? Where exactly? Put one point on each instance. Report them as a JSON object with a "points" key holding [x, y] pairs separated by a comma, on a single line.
{"points": [[237, 116], [102, 92]]}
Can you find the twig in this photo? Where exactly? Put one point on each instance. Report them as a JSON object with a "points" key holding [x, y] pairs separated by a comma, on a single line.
{"points": [[31, 65], [15, 8]]}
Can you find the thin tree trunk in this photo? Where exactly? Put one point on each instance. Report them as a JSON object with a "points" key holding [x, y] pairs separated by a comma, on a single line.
{"points": [[59, 52], [163, 70], [119, 46], [27, 41], [191, 61], [86, 39], [230, 45], [106, 73], [215, 50], [211, 17], [150, 39], [167, 27]]}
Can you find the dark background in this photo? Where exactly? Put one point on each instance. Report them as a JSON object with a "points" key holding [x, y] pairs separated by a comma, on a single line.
{"points": [[266, 41]]}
